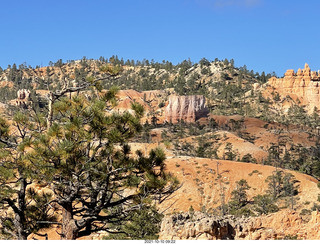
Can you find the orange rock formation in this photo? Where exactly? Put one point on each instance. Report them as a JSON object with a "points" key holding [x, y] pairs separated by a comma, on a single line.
{"points": [[301, 86], [280, 225]]}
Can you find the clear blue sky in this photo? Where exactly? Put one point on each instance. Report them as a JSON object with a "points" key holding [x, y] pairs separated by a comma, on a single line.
{"points": [[266, 35]]}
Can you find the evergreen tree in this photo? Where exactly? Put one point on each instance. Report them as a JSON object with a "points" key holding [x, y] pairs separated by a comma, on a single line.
{"points": [[77, 157], [239, 196], [264, 204], [281, 184], [24, 210], [144, 225], [82, 154]]}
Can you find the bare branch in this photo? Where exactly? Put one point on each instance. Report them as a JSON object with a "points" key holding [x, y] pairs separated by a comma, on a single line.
{"points": [[49, 222], [9, 144]]}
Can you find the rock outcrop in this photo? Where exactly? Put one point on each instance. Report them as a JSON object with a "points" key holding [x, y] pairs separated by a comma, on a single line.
{"points": [[186, 226], [302, 86], [186, 108], [23, 98], [287, 224]]}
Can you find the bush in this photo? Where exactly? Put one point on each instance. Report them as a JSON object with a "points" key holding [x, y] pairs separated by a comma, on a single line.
{"points": [[247, 158], [315, 207], [290, 237], [161, 104], [305, 212]]}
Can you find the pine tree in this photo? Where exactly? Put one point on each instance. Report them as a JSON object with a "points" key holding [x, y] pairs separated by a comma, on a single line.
{"points": [[144, 224], [264, 204], [85, 158], [24, 210], [239, 196], [82, 155]]}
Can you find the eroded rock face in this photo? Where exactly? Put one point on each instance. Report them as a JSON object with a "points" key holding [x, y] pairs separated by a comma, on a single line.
{"points": [[186, 108], [184, 226], [23, 98], [280, 225], [302, 86]]}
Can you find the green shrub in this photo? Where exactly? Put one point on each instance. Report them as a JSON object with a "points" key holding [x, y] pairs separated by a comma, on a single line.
{"points": [[315, 207], [290, 237], [305, 212]]}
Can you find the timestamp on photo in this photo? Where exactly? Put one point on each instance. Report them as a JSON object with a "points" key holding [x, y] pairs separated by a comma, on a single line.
{"points": [[159, 241]]}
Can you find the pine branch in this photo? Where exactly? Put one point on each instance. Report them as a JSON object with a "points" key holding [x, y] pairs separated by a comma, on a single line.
{"points": [[49, 222], [9, 144]]}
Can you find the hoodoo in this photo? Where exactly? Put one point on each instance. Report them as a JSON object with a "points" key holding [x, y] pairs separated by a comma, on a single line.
{"points": [[301, 86]]}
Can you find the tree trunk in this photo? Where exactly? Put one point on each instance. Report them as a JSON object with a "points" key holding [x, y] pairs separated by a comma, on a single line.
{"points": [[20, 219], [50, 110], [69, 228], [21, 233]]}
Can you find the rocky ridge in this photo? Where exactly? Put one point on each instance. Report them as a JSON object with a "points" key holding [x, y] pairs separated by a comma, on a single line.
{"points": [[301, 86], [286, 224]]}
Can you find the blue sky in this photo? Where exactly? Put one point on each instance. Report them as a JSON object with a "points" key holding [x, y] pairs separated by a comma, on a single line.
{"points": [[265, 35]]}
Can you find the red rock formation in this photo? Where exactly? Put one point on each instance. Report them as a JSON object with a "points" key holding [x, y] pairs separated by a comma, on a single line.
{"points": [[302, 86], [186, 108]]}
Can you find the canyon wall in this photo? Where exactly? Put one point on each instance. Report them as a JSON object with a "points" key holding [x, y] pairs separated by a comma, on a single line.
{"points": [[186, 108]]}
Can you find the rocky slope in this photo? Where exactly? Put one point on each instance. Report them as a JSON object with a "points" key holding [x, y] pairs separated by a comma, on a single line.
{"points": [[200, 187], [201, 183]]}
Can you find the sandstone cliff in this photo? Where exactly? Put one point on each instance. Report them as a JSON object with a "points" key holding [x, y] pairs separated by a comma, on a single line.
{"points": [[302, 87], [199, 226], [186, 108], [150, 101]]}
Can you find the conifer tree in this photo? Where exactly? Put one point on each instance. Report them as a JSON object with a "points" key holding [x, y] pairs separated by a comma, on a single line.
{"points": [[86, 160], [239, 196], [80, 153], [24, 210]]}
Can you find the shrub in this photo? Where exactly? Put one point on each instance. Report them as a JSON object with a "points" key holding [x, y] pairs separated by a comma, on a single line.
{"points": [[290, 237], [315, 207], [305, 212]]}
